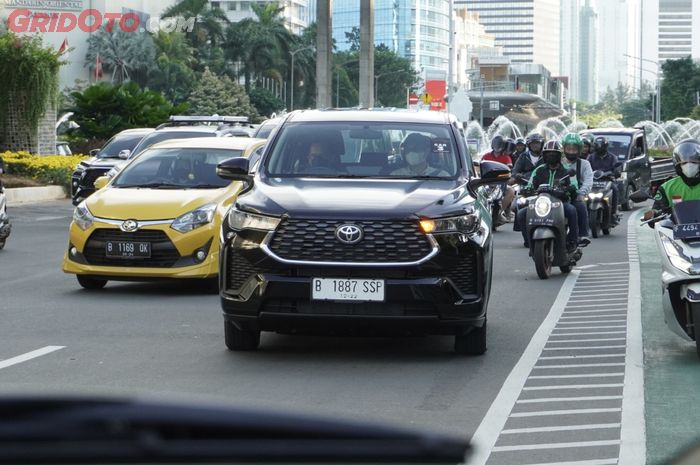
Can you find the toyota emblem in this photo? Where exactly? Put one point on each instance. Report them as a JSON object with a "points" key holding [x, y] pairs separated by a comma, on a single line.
{"points": [[129, 226], [349, 234]]}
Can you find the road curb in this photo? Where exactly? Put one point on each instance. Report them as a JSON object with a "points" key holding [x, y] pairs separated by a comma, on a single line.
{"points": [[22, 195]]}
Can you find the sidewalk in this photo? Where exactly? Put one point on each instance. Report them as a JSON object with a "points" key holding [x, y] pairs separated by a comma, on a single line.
{"points": [[22, 195], [671, 368]]}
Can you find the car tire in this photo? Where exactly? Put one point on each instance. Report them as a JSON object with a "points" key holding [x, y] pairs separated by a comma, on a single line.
{"points": [[240, 339], [472, 343], [628, 204], [90, 283]]}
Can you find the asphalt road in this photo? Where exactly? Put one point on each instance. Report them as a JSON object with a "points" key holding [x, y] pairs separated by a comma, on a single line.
{"points": [[166, 340]]}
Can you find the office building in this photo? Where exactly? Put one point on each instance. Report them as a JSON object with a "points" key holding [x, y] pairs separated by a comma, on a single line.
{"points": [[587, 89], [612, 38], [296, 13], [569, 43]]}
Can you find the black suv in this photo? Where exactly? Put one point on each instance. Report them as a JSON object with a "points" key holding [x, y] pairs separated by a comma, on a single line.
{"points": [[359, 221], [115, 151]]}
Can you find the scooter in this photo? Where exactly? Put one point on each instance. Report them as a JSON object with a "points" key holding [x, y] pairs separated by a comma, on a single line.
{"points": [[494, 196], [677, 234], [598, 201], [5, 226], [546, 230]]}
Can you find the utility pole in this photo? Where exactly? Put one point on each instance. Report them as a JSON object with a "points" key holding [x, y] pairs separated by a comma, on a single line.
{"points": [[293, 54], [367, 91], [481, 104], [450, 61]]}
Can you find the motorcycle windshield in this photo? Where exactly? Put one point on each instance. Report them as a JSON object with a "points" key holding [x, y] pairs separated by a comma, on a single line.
{"points": [[687, 212]]}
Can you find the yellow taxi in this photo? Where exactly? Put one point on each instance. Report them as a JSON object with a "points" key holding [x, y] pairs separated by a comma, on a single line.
{"points": [[160, 216]]}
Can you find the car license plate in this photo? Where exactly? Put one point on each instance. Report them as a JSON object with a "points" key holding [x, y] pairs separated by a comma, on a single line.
{"points": [[361, 290], [127, 249], [686, 231]]}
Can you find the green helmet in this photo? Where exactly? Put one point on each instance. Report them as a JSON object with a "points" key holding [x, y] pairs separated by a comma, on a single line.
{"points": [[575, 140]]}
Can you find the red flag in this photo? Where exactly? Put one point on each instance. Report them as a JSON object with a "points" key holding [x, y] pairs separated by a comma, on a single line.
{"points": [[64, 47], [98, 68]]}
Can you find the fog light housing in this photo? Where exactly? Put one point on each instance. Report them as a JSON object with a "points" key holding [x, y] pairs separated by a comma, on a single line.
{"points": [[73, 251], [200, 255]]}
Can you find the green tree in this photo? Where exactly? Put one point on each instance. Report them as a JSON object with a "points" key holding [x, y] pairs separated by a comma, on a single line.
{"points": [[173, 76], [209, 21], [104, 109], [215, 94], [129, 56], [680, 81], [265, 101], [394, 74]]}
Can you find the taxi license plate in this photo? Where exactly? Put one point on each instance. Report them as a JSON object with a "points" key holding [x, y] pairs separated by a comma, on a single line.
{"points": [[361, 290], [686, 231], [127, 249]]}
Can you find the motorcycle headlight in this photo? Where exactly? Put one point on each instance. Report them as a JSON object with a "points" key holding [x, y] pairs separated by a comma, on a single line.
{"points": [[468, 224], [82, 217], [239, 220], [194, 219], [543, 206], [676, 257], [595, 195]]}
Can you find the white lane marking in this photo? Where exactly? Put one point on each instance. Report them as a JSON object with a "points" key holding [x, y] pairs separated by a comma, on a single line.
{"points": [[587, 322], [50, 218], [557, 445], [602, 280], [554, 429], [585, 375], [580, 411], [589, 334], [568, 399], [585, 286], [568, 328], [578, 365], [495, 419], [633, 433], [607, 315], [561, 341], [582, 462], [29, 355], [584, 312], [601, 299], [617, 291], [585, 348], [572, 386], [612, 306], [573, 357]]}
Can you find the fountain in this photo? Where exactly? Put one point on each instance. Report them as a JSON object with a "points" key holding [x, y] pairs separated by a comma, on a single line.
{"points": [[504, 127], [476, 137]]}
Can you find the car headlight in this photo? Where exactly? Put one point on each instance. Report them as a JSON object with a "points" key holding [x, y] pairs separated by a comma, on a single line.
{"points": [[82, 217], [194, 219], [79, 167], [239, 220], [543, 206], [595, 195], [468, 224], [114, 171], [677, 259]]}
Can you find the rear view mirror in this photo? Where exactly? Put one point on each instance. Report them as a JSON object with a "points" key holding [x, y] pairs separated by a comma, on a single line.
{"points": [[365, 133], [234, 169], [640, 196], [101, 182], [124, 154], [94, 152], [491, 173]]}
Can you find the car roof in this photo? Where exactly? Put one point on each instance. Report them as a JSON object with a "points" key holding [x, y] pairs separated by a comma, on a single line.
{"points": [[202, 128], [231, 143], [612, 131], [135, 131], [378, 115]]}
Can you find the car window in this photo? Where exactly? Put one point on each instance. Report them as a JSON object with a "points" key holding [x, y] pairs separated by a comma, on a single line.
{"points": [[265, 130], [176, 167], [118, 143], [156, 137], [619, 145], [364, 150]]}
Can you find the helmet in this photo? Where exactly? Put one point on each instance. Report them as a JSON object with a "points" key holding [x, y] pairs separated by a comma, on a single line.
{"points": [[572, 139], [686, 160], [600, 145], [498, 144], [532, 138], [552, 152], [509, 146], [520, 141]]}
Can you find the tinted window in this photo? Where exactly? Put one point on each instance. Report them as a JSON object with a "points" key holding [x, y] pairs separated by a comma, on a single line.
{"points": [[118, 143], [156, 137], [364, 150], [264, 130], [618, 145]]}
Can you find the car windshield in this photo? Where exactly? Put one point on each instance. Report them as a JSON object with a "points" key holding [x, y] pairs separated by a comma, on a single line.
{"points": [[619, 145], [358, 149], [156, 137], [118, 143], [176, 168], [264, 131]]}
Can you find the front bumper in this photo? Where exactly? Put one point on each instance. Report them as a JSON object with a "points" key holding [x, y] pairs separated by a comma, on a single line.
{"points": [[447, 294]]}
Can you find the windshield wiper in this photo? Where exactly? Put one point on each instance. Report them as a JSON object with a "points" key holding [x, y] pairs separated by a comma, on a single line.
{"points": [[204, 186], [442, 178], [153, 185]]}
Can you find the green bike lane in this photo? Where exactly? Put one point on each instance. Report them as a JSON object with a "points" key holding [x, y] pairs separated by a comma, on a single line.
{"points": [[671, 367]]}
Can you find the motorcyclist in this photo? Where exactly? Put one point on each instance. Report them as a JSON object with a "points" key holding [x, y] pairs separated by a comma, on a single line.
{"points": [[498, 153], [573, 144], [526, 164], [587, 146], [602, 160], [552, 172], [520, 148], [685, 186]]}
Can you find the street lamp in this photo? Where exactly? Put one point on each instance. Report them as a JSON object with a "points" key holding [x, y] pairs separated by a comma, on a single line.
{"points": [[658, 83], [293, 54], [376, 81]]}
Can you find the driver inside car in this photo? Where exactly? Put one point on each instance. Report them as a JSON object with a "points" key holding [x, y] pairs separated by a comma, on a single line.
{"points": [[416, 149]]}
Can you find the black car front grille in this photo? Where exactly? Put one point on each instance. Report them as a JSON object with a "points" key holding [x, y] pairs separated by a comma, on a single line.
{"points": [[466, 274], [305, 307], [239, 269], [383, 242], [163, 252], [90, 175]]}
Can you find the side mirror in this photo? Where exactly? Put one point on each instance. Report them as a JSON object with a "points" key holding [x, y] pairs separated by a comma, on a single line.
{"points": [[94, 152], [492, 172], [101, 182], [234, 169], [640, 196], [124, 154]]}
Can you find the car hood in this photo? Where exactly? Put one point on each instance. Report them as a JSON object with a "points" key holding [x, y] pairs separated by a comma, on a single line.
{"points": [[151, 204], [355, 198], [95, 162]]}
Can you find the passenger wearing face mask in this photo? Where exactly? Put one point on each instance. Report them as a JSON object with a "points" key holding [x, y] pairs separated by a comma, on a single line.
{"points": [[415, 149], [572, 161], [530, 159], [685, 186]]}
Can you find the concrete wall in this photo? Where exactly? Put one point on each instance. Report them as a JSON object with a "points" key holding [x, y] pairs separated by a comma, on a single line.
{"points": [[15, 136]]}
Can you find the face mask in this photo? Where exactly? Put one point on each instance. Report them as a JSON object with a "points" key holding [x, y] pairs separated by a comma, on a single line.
{"points": [[552, 160], [690, 170], [415, 158], [571, 156]]}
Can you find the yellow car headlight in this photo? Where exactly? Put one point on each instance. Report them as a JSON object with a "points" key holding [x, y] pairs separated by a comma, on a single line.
{"points": [[194, 219], [82, 217]]}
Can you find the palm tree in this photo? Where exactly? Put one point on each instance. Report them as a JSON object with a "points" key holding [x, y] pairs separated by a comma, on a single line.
{"points": [[129, 56], [208, 24]]}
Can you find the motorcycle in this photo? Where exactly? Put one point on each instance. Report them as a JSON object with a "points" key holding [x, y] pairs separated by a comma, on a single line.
{"points": [[677, 234], [546, 229], [494, 195], [5, 226], [598, 202]]}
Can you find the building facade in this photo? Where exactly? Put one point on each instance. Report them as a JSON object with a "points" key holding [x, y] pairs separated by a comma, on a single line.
{"points": [[297, 14], [569, 44], [527, 30], [587, 89], [471, 42], [613, 22], [677, 31]]}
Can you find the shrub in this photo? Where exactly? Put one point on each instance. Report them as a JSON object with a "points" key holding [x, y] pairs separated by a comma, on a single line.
{"points": [[52, 169]]}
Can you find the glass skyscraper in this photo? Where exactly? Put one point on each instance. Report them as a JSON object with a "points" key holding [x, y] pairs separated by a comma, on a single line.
{"points": [[415, 29]]}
